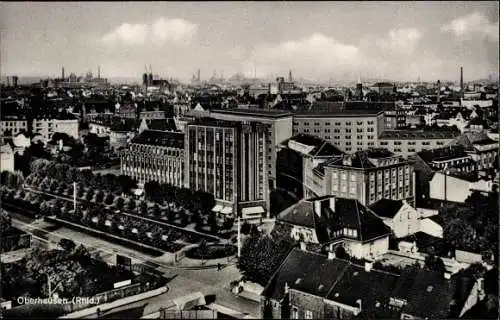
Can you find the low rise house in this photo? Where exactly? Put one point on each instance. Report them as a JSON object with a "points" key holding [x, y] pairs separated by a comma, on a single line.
{"points": [[345, 222], [7, 158], [313, 286], [482, 149]]}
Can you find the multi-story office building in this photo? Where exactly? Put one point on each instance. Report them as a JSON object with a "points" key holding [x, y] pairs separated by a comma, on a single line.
{"points": [[155, 155], [228, 159], [46, 127], [279, 128], [368, 176], [408, 142], [348, 129]]}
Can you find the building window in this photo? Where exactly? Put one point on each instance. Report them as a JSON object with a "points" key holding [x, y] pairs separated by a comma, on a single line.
{"points": [[353, 178], [383, 143], [295, 313], [308, 314]]}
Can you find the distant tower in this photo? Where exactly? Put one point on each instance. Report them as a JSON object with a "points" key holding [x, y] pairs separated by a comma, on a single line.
{"points": [[198, 76], [98, 72], [8, 81], [150, 77], [359, 90], [461, 82], [290, 79], [438, 92], [62, 73], [14, 81]]}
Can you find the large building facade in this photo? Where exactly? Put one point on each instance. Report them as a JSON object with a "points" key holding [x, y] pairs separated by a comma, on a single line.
{"points": [[348, 130], [279, 129], [47, 127], [409, 142], [155, 156], [368, 176], [229, 159]]}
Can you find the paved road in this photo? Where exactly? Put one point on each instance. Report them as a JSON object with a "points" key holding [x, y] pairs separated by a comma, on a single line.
{"points": [[208, 281]]}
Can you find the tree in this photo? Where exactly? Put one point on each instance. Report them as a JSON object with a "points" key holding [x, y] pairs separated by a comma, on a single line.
{"points": [[341, 253], [90, 195], [156, 211], [131, 205], [99, 197], [126, 183], [152, 191], [245, 228], [143, 208], [119, 203], [434, 263], [109, 199], [67, 245], [261, 256]]}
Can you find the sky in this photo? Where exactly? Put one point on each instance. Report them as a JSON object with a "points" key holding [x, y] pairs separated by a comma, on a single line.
{"points": [[315, 40]]}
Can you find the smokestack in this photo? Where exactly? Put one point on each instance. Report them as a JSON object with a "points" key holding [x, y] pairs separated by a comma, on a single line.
{"points": [[199, 75], [290, 79], [438, 91], [461, 82], [98, 72], [62, 73]]}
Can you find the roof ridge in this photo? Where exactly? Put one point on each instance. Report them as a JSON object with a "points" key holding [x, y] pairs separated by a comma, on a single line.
{"points": [[321, 147], [338, 278], [359, 221]]}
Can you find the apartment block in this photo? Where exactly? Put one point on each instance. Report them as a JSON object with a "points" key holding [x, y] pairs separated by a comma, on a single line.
{"points": [[409, 142]]}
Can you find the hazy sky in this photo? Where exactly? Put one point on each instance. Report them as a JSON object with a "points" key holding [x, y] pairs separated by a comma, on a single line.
{"points": [[316, 40]]}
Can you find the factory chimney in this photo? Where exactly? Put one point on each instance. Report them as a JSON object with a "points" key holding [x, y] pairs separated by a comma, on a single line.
{"points": [[62, 74], [199, 76], [461, 82], [438, 91], [98, 72], [290, 79]]}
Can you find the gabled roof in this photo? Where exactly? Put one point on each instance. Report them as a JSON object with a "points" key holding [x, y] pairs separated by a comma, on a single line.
{"points": [[300, 214], [321, 148], [361, 159], [369, 287], [469, 139], [386, 208], [427, 293], [351, 214], [307, 272]]}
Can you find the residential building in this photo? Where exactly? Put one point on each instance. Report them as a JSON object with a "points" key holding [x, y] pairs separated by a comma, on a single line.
{"points": [[368, 176], [428, 162], [344, 222], [309, 285], [457, 187], [155, 156], [228, 159], [126, 111], [403, 219], [298, 157], [482, 149], [279, 128], [156, 114], [408, 142], [7, 158], [46, 127], [12, 125], [350, 127], [165, 124]]}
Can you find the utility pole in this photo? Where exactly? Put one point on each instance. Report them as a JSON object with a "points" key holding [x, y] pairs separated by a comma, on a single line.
{"points": [[239, 237], [74, 196]]}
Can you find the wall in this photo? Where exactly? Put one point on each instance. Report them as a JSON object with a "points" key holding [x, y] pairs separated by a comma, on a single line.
{"points": [[7, 161], [406, 148], [457, 190], [367, 250], [406, 222], [308, 234], [305, 302], [431, 228]]}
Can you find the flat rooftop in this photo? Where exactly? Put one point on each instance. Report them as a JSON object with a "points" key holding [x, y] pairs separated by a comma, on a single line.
{"points": [[254, 112]]}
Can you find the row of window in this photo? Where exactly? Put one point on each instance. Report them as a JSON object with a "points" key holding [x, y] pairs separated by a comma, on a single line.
{"points": [[347, 123], [411, 143]]}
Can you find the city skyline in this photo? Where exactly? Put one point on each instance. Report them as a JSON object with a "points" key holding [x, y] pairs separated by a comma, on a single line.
{"points": [[400, 41]]}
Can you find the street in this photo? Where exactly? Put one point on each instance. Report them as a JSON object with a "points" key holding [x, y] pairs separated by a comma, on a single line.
{"points": [[207, 281]]}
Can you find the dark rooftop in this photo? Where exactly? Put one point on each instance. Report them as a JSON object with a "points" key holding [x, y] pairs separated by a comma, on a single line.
{"points": [[322, 147], [386, 208], [443, 154], [205, 121], [417, 134], [160, 138], [254, 112], [161, 124], [361, 159]]}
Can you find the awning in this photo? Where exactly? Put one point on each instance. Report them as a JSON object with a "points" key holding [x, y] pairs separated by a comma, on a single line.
{"points": [[252, 210], [227, 210], [217, 208]]}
